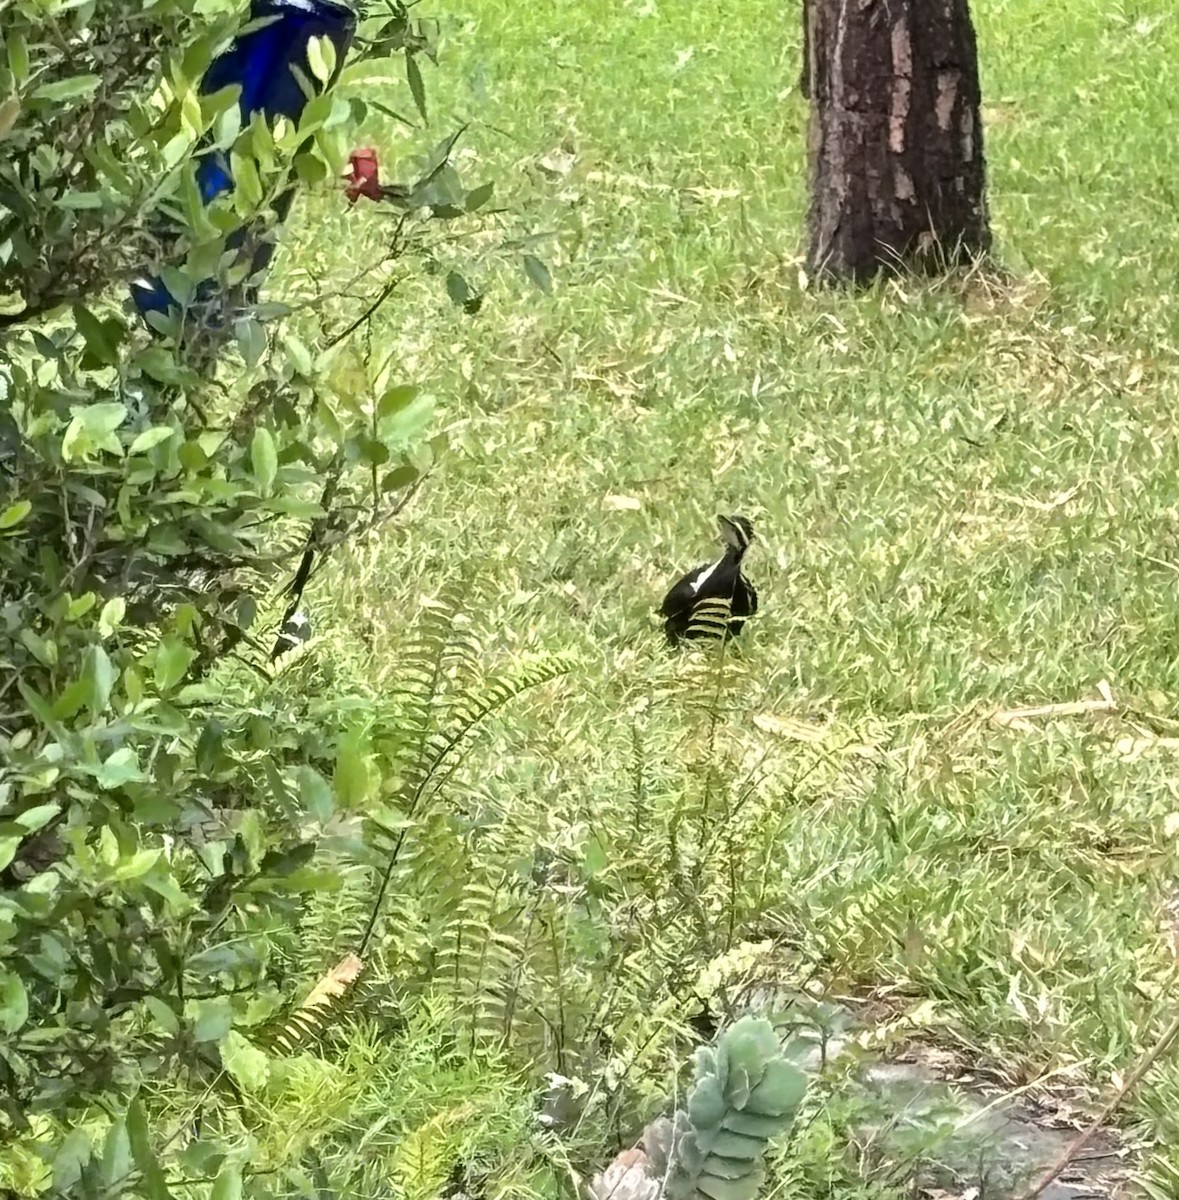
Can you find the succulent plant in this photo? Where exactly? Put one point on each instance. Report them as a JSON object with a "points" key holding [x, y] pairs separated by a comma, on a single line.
{"points": [[745, 1092]]}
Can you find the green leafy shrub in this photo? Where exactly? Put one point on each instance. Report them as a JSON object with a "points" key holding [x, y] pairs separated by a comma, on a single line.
{"points": [[161, 801]]}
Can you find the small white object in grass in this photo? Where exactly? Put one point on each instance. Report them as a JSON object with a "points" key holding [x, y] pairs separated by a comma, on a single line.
{"points": [[622, 503]]}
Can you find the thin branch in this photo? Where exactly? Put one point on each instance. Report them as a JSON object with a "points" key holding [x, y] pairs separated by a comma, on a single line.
{"points": [[1074, 1148]]}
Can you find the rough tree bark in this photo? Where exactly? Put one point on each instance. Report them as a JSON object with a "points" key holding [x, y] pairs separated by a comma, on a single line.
{"points": [[896, 146]]}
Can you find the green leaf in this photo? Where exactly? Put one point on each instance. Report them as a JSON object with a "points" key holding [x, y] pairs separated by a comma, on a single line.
{"points": [[108, 846], [18, 55], [116, 1154], [9, 111], [276, 783], [248, 1065], [163, 883], [780, 1091], [101, 419], [72, 1155], [154, 1183], [102, 156], [93, 428], [228, 1185], [43, 650], [750, 1044], [733, 1145], [70, 702], [321, 58], [264, 458], [227, 126], [111, 616], [120, 768], [99, 675], [173, 658], [36, 818], [245, 177], [538, 273], [14, 1002], [478, 197], [314, 793], [317, 111], [351, 779], [81, 605], [135, 866], [14, 514], [160, 364], [101, 337], [253, 838], [405, 422], [458, 289], [72, 88], [706, 1103], [38, 706], [163, 1014], [753, 1125], [175, 150], [8, 848], [397, 398], [297, 354], [400, 477], [310, 168], [82, 200], [251, 339], [149, 438], [745, 1188], [214, 1019], [413, 75]]}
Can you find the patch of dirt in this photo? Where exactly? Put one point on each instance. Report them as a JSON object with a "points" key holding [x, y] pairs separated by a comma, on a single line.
{"points": [[1000, 1145]]}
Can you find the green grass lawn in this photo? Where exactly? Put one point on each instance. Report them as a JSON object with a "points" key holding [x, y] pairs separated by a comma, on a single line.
{"points": [[966, 496]]}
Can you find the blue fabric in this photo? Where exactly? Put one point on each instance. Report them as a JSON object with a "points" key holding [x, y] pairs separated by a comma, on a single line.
{"points": [[213, 177], [260, 61]]}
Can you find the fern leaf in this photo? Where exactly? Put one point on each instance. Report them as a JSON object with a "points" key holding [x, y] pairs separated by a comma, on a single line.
{"points": [[710, 618], [325, 998], [426, 1155]]}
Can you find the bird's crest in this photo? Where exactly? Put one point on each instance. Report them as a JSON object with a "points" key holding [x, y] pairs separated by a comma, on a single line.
{"points": [[736, 532]]}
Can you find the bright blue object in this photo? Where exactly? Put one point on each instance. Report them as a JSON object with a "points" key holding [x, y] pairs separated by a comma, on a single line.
{"points": [[259, 62]]}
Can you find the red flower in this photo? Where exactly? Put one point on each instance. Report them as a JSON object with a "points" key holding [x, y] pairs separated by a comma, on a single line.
{"points": [[364, 175]]}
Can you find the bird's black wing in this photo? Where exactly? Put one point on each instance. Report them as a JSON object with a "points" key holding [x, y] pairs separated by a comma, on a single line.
{"points": [[681, 597], [751, 591]]}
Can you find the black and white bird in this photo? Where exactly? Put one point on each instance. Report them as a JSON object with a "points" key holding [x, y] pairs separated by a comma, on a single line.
{"points": [[719, 580], [295, 632]]}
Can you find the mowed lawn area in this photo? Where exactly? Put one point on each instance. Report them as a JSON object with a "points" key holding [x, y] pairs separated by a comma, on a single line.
{"points": [[965, 495]]}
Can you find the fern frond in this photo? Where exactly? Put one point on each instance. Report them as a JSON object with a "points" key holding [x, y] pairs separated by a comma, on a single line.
{"points": [[426, 1155], [470, 710], [476, 960], [323, 1006], [442, 736], [421, 670], [711, 618]]}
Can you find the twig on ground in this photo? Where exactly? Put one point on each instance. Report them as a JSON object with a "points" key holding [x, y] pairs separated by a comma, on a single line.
{"points": [[1073, 708], [1073, 1149]]}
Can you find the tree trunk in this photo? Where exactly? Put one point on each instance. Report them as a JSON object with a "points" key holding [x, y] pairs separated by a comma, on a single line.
{"points": [[896, 148]]}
